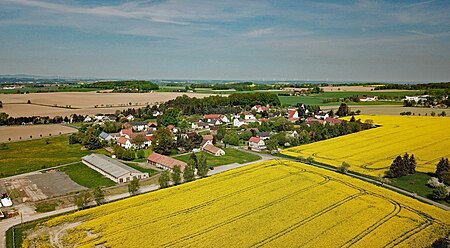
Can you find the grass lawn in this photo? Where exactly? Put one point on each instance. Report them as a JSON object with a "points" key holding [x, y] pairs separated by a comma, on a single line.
{"points": [[150, 172], [26, 156], [416, 183], [147, 153], [231, 156], [86, 176]]}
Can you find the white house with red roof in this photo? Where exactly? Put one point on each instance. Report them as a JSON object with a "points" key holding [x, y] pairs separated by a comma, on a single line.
{"points": [[256, 144], [128, 132], [259, 108], [249, 116], [124, 142], [164, 162], [216, 117]]}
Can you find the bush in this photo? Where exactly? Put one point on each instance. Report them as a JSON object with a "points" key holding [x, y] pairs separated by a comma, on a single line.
{"points": [[45, 207], [434, 182], [440, 193]]}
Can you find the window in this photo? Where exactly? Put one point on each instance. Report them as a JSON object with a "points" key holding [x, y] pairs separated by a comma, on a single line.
{"points": [[120, 180]]}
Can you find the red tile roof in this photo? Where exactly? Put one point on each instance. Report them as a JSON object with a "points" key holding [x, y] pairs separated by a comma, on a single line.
{"points": [[292, 113], [211, 148], [333, 120], [208, 137], [128, 132], [166, 161], [122, 140], [254, 140], [213, 116]]}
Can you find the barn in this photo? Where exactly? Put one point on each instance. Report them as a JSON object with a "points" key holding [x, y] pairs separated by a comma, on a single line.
{"points": [[112, 169]]}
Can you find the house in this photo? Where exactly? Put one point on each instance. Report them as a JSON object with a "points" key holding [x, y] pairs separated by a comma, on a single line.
{"points": [[259, 108], [256, 144], [172, 128], [164, 162], [311, 121], [124, 142], [105, 136], [249, 116], [264, 135], [216, 117], [368, 98], [291, 134], [112, 169], [130, 118], [199, 125], [213, 150], [237, 122], [126, 132], [156, 113], [208, 137], [87, 119], [321, 116], [152, 125], [333, 121], [213, 130], [139, 126], [205, 142], [292, 114]]}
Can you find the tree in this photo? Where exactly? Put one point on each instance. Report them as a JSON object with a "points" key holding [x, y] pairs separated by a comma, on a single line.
{"points": [[402, 166], [170, 117], [140, 154], [163, 142], [93, 143], [176, 175], [189, 171], [440, 193], [343, 110], [139, 140], [272, 144], [398, 168], [442, 167], [133, 186], [202, 166], [412, 165], [231, 139], [99, 195], [221, 131], [164, 180], [344, 167], [82, 199]]}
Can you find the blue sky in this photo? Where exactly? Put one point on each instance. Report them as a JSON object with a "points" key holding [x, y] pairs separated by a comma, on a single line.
{"points": [[233, 39]]}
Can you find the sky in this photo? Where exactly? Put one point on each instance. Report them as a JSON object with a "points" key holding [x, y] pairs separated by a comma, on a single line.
{"points": [[228, 39]]}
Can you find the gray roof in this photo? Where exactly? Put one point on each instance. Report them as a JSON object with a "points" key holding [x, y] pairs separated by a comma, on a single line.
{"points": [[104, 135], [109, 165]]}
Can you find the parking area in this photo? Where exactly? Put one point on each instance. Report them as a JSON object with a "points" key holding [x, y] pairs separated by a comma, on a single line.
{"points": [[39, 187]]}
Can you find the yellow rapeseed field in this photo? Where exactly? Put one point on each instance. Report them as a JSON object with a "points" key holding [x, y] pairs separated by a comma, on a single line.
{"points": [[275, 203], [372, 151]]}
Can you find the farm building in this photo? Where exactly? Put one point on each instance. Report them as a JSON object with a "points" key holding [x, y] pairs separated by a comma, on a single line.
{"points": [[112, 169], [216, 151], [164, 162]]}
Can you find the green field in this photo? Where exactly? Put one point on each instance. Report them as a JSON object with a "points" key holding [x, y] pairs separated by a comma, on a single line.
{"points": [[317, 99], [150, 172], [231, 156], [86, 176], [25, 156]]}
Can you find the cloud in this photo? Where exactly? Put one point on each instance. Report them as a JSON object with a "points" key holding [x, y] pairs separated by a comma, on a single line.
{"points": [[259, 32]]}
